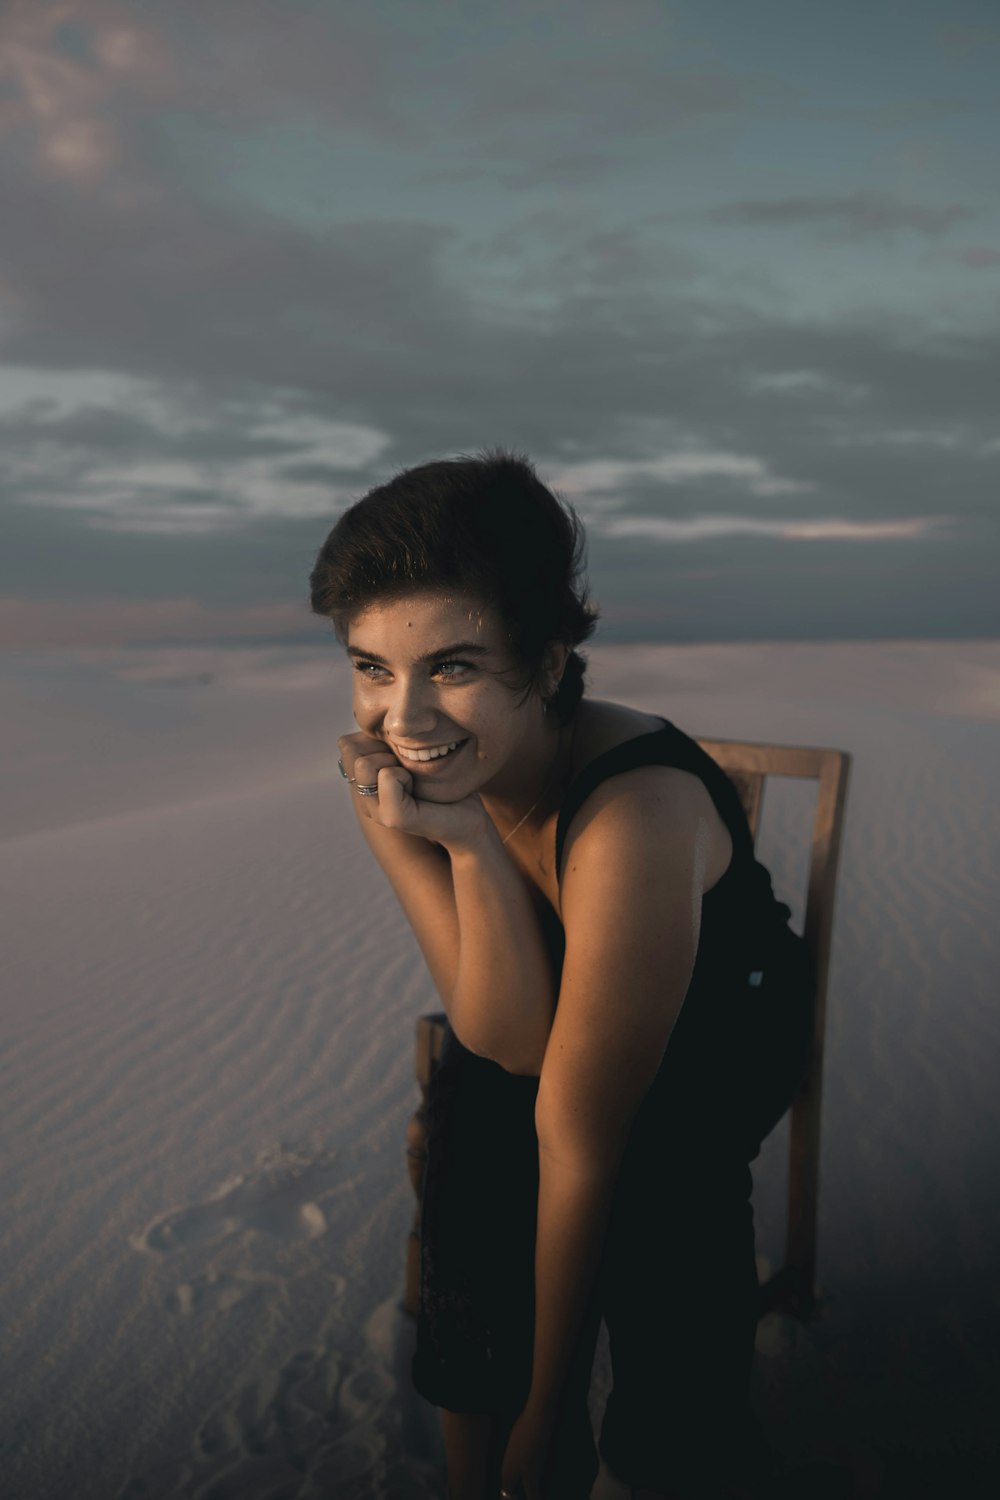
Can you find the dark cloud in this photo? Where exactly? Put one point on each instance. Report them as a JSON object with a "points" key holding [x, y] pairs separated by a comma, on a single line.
{"points": [[626, 95], [855, 213], [904, 114], [95, 429], [648, 381], [979, 257], [313, 473], [164, 284], [243, 64], [575, 331], [102, 433], [963, 42]]}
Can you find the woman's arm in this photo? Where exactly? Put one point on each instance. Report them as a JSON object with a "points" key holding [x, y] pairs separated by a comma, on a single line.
{"points": [[469, 908], [420, 874], [505, 991], [636, 858]]}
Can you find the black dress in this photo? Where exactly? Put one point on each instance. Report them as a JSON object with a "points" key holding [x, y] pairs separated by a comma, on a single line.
{"points": [[677, 1283]]}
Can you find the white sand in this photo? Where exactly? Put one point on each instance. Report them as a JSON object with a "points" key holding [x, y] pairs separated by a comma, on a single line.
{"points": [[207, 1071]]}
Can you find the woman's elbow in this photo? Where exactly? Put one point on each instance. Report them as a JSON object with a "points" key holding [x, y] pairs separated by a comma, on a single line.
{"points": [[587, 1142], [525, 1068], [502, 1051], [518, 1057]]}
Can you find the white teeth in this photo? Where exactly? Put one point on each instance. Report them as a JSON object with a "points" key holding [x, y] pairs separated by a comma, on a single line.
{"points": [[434, 754]]}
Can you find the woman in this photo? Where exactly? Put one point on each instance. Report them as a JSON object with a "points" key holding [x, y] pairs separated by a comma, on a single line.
{"points": [[581, 881]]}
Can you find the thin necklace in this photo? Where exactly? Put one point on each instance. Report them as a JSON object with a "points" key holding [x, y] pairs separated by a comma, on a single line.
{"points": [[545, 788]]}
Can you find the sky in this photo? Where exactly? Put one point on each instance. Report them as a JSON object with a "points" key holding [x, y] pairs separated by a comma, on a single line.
{"points": [[728, 274]]}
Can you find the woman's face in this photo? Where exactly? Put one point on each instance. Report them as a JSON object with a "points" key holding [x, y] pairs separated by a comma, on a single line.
{"points": [[426, 675]]}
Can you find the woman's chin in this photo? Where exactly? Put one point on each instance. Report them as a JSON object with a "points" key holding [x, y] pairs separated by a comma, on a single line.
{"points": [[425, 791]]}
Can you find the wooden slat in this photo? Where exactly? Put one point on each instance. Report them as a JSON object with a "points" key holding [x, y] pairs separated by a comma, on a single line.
{"points": [[804, 1140]]}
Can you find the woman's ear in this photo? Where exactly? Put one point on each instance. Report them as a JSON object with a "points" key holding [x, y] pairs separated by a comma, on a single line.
{"points": [[555, 659]]}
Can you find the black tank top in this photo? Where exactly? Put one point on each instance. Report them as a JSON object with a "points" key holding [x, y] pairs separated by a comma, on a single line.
{"points": [[743, 922]]}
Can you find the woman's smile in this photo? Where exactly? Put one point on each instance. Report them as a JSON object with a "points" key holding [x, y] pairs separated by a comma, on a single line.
{"points": [[433, 756]]}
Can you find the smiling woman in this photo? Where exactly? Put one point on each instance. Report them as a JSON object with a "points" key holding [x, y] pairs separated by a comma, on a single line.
{"points": [[581, 881]]}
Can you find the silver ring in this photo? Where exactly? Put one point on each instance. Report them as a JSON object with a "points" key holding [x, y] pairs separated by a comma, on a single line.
{"points": [[366, 791], [343, 773]]}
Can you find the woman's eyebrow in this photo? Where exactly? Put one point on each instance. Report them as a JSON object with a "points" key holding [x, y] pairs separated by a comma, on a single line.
{"points": [[463, 648]]}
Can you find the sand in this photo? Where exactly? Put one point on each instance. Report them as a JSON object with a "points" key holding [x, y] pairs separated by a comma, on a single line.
{"points": [[206, 1072]]}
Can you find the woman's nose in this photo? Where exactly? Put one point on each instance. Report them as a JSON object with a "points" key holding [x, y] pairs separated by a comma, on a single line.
{"points": [[411, 711]]}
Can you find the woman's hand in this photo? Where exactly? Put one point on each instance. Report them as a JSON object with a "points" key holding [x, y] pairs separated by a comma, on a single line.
{"points": [[525, 1456], [370, 762]]}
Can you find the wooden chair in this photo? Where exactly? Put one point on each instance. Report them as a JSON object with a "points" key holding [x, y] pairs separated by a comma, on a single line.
{"points": [[747, 765]]}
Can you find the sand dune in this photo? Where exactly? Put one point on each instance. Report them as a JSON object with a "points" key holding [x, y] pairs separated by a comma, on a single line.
{"points": [[206, 1072]]}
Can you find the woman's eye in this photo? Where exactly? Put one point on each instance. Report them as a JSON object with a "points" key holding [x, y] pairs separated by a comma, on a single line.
{"points": [[372, 668], [465, 666]]}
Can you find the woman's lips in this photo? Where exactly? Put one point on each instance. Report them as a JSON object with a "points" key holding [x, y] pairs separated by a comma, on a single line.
{"points": [[429, 765]]}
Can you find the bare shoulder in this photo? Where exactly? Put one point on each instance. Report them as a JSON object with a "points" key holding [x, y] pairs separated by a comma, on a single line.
{"points": [[650, 801], [600, 726]]}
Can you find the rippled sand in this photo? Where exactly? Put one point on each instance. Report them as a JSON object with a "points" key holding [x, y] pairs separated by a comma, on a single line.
{"points": [[206, 1072]]}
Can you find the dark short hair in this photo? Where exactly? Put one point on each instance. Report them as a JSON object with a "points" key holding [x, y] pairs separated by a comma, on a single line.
{"points": [[485, 526]]}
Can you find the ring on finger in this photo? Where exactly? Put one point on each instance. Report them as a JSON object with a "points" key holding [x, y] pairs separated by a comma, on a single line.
{"points": [[366, 791], [340, 767]]}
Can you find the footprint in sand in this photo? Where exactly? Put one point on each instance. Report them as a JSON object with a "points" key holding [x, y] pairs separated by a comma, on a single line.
{"points": [[278, 1197], [322, 1421], [312, 1427], [271, 1432], [239, 1233], [220, 1289]]}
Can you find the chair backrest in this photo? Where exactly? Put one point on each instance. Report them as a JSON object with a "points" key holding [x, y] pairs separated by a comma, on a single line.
{"points": [[748, 765]]}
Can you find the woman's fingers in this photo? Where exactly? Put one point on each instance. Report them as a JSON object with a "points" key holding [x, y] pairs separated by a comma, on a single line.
{"points": [[369, 763], [362, 757], [364, 760], [356, 748], [367, 767], [394, 783]]}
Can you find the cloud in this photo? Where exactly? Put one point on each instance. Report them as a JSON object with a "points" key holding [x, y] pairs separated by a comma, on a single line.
{"points": [[604, 476], [79, 76], [712, 528], [191, 374], [848, 214], [960, 41], [629, 93], [153, 465], [804, 383], [65, 70], [954, 439], [979, 257]]}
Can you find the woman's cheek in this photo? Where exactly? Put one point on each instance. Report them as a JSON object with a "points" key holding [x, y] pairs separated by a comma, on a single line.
{"points": [[364, 706]]}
